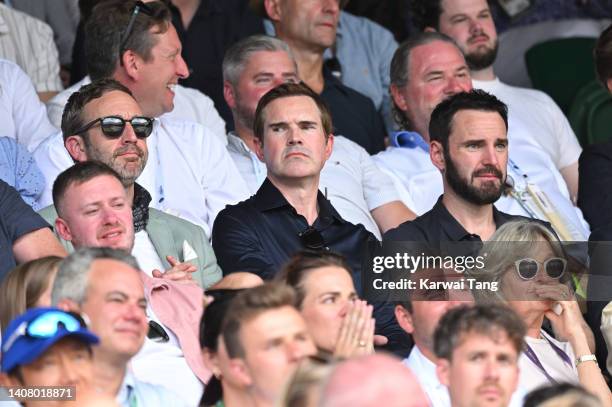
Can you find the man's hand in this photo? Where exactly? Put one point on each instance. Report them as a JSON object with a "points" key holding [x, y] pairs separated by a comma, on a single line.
{"points": [[179, 272]]}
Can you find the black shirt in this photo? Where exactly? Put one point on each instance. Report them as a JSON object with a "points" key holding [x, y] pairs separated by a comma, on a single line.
{"points": [[216, 25], [438, 225], [354, 115], [260, 234], [16, 220]]}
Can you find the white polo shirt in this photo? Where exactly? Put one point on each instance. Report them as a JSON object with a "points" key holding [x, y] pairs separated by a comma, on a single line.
{"points": [[22, 115], [188, 173], [189, 104], [349, 179]]}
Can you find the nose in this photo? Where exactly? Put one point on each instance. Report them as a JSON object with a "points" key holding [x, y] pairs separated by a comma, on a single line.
{"points": [[109, 216], [331, 6], [182, 70], [453, 86], [294, 135], [295, 351], [492, 370], [491, 155], [69, 372], [128, 135], [475, 27], [135, 313]]}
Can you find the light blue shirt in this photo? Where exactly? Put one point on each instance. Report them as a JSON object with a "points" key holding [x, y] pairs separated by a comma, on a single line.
{"points": [[19, 170], [134, 393]]}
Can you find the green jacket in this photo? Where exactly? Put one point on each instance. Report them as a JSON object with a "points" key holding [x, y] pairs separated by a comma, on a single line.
{"points": [[167, 233]]}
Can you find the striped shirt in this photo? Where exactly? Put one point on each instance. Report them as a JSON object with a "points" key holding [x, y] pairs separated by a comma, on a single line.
{"points": [[29, 43]]}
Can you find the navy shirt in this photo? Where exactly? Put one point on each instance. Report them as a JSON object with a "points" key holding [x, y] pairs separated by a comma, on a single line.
{"points": [[16, 220], [260, 234], [216, 25], [354, 115]]}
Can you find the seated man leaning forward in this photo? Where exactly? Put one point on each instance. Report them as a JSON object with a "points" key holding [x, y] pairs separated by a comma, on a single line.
{"points": [[95, 127]]}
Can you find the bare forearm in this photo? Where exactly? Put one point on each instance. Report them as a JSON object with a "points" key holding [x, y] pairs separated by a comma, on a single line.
{"points": [[37, 244], [391, 215]]}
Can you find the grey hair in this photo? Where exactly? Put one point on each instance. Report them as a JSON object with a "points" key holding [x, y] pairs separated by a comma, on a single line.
{"points": [[72, 277], [237, 56], [400, 65]]}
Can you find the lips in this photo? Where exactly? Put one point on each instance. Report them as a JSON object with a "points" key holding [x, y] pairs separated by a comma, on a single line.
{"points": [[111, 234]]}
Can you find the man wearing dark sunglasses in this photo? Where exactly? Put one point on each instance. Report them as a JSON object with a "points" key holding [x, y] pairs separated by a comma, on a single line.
{"points": [[190, 173]]}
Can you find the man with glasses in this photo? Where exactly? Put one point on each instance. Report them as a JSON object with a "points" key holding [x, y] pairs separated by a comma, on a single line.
{"points": [[96, 128], [189, 172], [105, 285], [48, 347]]}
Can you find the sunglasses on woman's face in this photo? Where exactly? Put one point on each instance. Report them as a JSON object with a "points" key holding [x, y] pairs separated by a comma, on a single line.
{"points": [[113, 126], [527, 268]]}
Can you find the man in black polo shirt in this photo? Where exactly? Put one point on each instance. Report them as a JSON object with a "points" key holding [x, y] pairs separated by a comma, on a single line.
{"points": [[293, 132], [469, 145], [310, 28]]}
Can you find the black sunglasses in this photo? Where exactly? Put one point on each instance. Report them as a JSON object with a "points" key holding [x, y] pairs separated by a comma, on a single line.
{"points": [[157, 333], [527, 268], [139, 7], [312, 239], [113, 126]]}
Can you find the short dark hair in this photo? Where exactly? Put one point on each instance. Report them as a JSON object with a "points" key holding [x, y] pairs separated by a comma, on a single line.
{"points": [[107, 25], [400, 65], [603, 56], [295, 271], [288, 90], [248, 305], [78, 174], [561, 392], [72, 118], [440, 124], [489, 320], [426, 13]]}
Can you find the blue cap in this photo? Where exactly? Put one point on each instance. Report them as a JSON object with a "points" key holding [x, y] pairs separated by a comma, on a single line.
{"points": [[25, 349]]}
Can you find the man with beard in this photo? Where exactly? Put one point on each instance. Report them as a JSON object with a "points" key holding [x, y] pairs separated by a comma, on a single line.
{"points": [[470, 24], [426, 69], [95, 128], [469, 146]]}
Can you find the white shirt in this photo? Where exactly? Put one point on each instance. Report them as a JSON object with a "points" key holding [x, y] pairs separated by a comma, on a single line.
{"points": [[531, 377], [420, 182], [349, 179], [28, 42], [164, 363], [189, 104], [134, 392], [546, 123], [425, 371], [188, 173], [22, 115]]}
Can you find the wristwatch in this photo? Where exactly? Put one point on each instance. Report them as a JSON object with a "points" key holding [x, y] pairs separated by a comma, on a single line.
{"points": [[585, 358]]}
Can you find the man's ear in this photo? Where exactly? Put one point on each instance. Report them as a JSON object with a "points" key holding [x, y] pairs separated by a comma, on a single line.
{"points": [[240, 372], [9, 381], [229, 95], [75, 145], [273, 9], [62, 229], [609, 84], [443, 371], [68, 305], [404, 319], [436, 154], [329, 146], [398, 98], [259, 149], [131, 64]]}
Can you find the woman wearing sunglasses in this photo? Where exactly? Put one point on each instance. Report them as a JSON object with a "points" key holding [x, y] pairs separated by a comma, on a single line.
{"points": [[533, 275]]}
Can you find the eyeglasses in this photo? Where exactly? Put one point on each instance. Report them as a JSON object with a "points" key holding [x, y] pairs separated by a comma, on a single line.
{"points": [[113, 126], [138, 8], [312, 239], [44, 326], [527, 268], [157, 333]]}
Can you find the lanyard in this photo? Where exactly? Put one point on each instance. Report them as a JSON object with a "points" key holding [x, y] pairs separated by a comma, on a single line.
{"points": [[536, 361]]}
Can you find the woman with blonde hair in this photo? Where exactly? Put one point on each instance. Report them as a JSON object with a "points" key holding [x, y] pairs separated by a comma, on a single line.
{"points": [[26, 286], [531, 271]]}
